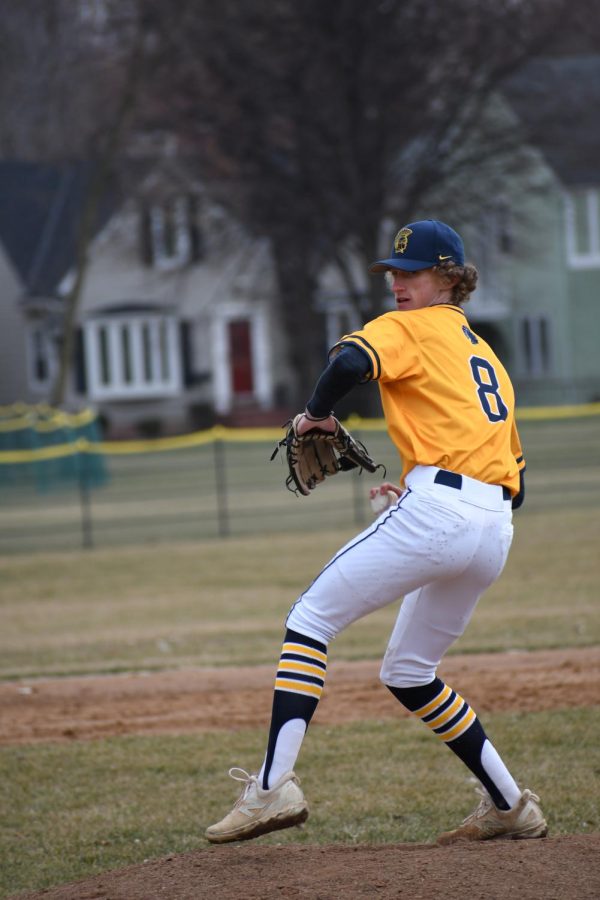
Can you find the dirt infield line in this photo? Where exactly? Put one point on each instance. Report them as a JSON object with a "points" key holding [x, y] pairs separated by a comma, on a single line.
{"points": [[190, 700]]}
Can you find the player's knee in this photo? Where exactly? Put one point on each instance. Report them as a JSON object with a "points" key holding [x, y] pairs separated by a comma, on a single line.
{"points": [[406, 673], [306, 621]]}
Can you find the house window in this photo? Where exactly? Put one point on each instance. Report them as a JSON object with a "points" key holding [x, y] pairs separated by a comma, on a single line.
{"points": [[535, 342], [170, 234], [42, 359], [132, 356], [582, 210]]}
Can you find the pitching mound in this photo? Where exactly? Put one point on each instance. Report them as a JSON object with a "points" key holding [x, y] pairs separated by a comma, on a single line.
{"points": [[551, 869]]}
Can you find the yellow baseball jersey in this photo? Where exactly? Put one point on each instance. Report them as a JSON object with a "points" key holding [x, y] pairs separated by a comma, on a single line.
{"points": [[447, 398]]}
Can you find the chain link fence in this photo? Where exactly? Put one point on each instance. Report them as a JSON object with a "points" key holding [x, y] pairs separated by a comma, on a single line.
{"points": [[226, 486], [222, 484]]}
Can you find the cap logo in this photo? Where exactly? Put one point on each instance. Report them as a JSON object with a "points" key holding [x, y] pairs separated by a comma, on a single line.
{"points": [[442, 258], [401, 240]]}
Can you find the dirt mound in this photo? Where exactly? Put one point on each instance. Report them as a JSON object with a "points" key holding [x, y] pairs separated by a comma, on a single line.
{"points": [[550, 869]]}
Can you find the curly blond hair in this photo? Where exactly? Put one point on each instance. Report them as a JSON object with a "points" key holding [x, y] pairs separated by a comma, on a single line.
{"points": [[467, 279]]}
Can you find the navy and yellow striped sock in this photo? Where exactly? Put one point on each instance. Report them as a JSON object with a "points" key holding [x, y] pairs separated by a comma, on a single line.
{"points": [[449, 716], [298, 687], [302, 666]]}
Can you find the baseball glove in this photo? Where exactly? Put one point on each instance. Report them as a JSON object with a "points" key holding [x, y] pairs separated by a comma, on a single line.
{"points": [[316, 454]]}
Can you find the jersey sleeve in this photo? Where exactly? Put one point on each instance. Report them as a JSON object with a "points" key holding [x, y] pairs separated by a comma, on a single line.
{"points": [[387, 344], [517, 450]]}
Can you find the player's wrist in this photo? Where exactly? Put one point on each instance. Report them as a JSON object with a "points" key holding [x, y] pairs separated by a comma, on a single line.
{"points": [[307, 423], [312, 418]]}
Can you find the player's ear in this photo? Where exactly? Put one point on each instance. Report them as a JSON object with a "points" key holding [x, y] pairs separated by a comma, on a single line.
{"points": [[447, 276]]}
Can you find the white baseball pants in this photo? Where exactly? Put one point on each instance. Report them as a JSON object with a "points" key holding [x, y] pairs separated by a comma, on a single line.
{"points": [[439, 547]]}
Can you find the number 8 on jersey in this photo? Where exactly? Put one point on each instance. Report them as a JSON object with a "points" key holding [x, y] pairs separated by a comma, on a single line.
{"points": [[487, 389]]}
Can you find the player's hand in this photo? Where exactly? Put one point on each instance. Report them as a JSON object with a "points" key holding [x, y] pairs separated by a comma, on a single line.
{"points": [[306, 422], [384, 496], [384, 488], [317, 448]]}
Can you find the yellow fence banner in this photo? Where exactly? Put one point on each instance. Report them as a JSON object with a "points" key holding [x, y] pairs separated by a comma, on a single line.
{"points": [[210, 436]]}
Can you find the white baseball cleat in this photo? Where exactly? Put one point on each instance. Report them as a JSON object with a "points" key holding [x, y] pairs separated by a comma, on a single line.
{"points": [[524, 820], [258, 811]]}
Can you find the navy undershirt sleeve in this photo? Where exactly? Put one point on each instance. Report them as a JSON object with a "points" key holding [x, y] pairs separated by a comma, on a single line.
{"points": [[348, 368]]}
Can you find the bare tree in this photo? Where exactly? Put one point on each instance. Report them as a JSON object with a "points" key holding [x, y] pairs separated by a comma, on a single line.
{"points": [[105, 160], [61, 66], [320, 121], [69, 77]]}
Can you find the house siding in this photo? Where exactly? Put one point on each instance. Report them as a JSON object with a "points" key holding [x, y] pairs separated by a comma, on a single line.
{"points": [[584, 303]]}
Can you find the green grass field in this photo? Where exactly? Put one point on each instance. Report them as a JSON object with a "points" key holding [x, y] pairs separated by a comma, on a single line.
{"points": [[77, 809], [217, 603], [70, 810]]}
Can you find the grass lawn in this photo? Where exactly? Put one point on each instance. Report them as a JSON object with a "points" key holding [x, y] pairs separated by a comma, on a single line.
{"points": [[73, 810], [224, 602]]}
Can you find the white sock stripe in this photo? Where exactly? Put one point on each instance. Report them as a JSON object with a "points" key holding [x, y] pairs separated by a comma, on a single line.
{"points": [[499, 774]]}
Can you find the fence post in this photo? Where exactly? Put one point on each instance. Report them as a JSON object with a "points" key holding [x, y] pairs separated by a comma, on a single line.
{"points": [[221, 488]]}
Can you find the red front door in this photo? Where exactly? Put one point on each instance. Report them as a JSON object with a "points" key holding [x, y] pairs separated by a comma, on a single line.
{"points": [[240, 355]]}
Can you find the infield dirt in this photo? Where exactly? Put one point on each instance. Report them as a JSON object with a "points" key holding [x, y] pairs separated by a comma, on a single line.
{"points": [[188, 700], [565, 867]]}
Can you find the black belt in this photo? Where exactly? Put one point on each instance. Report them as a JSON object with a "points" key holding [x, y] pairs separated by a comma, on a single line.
{"points": [[451, 479]]}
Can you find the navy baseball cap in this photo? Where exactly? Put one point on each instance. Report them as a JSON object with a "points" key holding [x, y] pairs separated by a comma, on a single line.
{"points": [[422, 245]]}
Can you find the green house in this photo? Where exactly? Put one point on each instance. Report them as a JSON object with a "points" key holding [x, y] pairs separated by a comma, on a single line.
{"points": [[538, 247]]}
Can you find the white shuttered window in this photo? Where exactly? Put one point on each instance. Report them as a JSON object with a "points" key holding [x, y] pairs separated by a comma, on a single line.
{"points": [[582, 210], [133, 356]]}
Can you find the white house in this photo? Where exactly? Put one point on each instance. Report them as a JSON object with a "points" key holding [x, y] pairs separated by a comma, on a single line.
{"points": [[176, 319]]}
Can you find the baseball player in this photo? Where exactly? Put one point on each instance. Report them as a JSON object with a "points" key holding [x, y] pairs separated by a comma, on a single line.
{"points": [[449, 408]]}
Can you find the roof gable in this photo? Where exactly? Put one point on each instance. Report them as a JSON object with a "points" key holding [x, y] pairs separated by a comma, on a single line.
{"points": [[41, 210]]}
